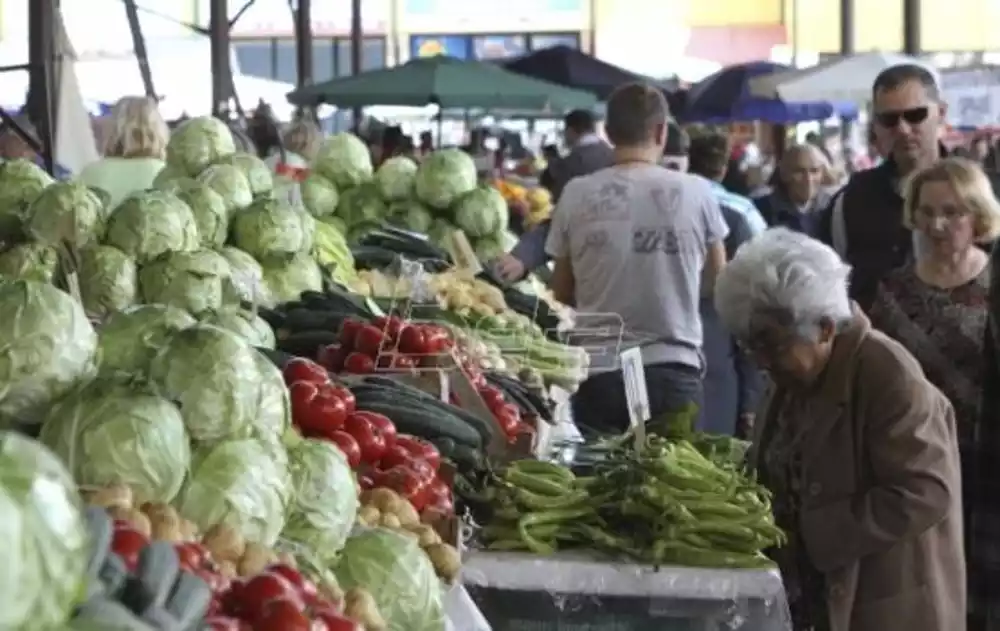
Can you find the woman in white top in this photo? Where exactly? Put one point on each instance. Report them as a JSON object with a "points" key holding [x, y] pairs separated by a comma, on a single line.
{"points": [[135, 145]]}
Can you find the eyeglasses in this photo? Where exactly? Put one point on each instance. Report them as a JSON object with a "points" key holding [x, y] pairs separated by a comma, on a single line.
{"points": [[913, 116], [948, 213]]}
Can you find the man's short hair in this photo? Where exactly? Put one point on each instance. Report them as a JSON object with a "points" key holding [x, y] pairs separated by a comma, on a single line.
{"points": [[581, 121], [634, 111], [709, 154], [895, 76], [678, 142]]}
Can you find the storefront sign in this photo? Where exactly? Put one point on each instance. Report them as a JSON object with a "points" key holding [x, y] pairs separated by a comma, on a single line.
{"points": [[434, 45], [273, 18], [538, 41], [499, 46], [973, 97], [510, 16]]}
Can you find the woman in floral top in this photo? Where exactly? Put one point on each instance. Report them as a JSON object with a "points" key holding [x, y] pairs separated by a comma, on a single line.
{"points": [[936, 305]]}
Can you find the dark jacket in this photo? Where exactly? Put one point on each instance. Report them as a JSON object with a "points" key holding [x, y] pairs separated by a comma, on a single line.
{"points": [[778, 210], [732, 383], [584, 159]]}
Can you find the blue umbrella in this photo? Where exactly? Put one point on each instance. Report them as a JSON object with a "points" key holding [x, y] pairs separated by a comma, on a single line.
{"points": [[725, 96]]}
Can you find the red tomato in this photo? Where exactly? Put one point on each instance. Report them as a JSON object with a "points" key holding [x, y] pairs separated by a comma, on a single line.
{"points": [[508, 417], [128, 543], [347, 445], [395, 455], [411, 340], [345, 395], [282, 614], [326, 413], [335, 621], [436, 339], [359, 364], [301, 395], [265, 587], [407, 483], [439, 506], [223, 623], [332, 357], [348, 333], [492, 396], [382, 423], [216, 582], [370, 341], [302, 369], [436, 489], [305, 587], [404, 363], [366, 482], [369, 438], [391, 326], [421, 449], [190, 555], [231, 599]]}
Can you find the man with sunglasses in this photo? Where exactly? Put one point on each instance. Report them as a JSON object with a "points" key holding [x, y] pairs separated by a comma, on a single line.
{"points": [[864, 224]]}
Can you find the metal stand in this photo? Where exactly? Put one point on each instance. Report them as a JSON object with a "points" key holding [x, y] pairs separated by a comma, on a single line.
{"points": [[357, 53]]}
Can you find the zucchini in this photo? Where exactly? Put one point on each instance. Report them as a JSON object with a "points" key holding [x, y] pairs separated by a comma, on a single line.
{"points": [[425, 422], [307, 343], [273, 317], [524, 398], [297, 320], [466, 458]]}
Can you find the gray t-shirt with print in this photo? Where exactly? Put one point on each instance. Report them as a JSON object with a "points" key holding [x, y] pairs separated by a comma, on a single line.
{"points": [[636, 237]]}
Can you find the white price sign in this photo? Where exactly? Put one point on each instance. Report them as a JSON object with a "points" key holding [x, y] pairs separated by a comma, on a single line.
{"points": [[636, 395], [973, 97]]}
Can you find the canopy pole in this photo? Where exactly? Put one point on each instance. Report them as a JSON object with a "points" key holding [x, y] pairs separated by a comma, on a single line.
{"points": [[357, 51], [139, 47], [304, 42], [222, 78], [911, 27], [42, 15], [848, 42]]}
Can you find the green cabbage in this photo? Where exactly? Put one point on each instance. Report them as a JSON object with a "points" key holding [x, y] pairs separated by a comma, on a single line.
{"points": [[214, 377], [168, 177], [493, 246], [209, 209], [274, 410], [148, 224], [257, 172], [252, 328], [130, 339], [21, 182], [362, 204], [190, 280], [336, 222], [246, 280], [440, 231], [325, 500], [46, 545], [395, 178], [111, 432], [230, 183], [285, 281], [48, 347], [330, 248], [242, 483], [344, 160], [482, 212], [319, 195], [108, 280], [410, 215], [67, 212], [397, 572], [198, 142], [444, 176], [272, 228], [30, 261]]}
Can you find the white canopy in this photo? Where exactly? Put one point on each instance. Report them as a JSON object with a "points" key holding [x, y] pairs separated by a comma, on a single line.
{"points": [[848, 79]]}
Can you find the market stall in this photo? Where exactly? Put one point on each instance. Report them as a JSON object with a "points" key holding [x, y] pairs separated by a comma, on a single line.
{"points": [[326, 415]]}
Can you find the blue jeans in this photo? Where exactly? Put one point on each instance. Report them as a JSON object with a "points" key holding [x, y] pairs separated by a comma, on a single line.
{"points": [[599, 406]]}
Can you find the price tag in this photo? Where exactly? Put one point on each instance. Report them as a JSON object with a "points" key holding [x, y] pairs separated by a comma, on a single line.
{"points": [[636, 395]]}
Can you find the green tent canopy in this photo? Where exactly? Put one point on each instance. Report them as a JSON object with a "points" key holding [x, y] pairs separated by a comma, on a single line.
{"points": [[447, 82]]}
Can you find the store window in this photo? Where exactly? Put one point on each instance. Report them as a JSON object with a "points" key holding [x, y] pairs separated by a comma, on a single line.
{"points": [[286, 66], [499, 46], [372, 55], [255, 58], [548, 40], [323, 60]]}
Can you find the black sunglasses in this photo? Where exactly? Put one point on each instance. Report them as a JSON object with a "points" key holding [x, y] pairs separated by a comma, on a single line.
{"points": [[913, 116]]}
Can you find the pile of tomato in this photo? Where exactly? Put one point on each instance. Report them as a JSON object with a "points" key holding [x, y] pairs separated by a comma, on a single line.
{"points": [[382, 457], [508, 415], [388, 343]]}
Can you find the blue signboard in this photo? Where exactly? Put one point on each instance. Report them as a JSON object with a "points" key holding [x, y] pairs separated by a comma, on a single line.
{"points": [[433, 45], [499, 46]]}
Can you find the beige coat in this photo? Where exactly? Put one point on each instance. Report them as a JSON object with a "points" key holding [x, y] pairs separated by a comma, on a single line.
{"points": [[881, 516]]}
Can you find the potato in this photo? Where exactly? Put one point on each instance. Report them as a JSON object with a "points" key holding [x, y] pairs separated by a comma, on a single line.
{"points": [[255, 558], [228, 569], [330, 591], [159, 509], [446, 560], [189, 531], [390, 521], [369, 515], [116, 495], [225, 543], [408, 515], [426, 535], [287, 558], [385, 500], [360, 605], [136, 518], [166, 527]]}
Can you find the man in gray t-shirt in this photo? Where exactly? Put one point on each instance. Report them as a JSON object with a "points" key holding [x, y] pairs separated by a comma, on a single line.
{"points": [[635, 246]]}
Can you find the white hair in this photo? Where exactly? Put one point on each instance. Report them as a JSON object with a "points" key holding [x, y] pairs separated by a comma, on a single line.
{"points": [[136, 129], [785, 272]]}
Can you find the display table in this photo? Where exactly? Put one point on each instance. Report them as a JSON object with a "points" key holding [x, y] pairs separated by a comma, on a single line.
{"points": [[572, 592]]}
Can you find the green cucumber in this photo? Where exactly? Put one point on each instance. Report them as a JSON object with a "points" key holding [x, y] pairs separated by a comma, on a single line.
{"points": [[419, 420]]}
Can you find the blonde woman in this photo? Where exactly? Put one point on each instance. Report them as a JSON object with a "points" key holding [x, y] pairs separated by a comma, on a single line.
{"points": [[798, 195], [301, 141], [936, 305], [135, 144]]}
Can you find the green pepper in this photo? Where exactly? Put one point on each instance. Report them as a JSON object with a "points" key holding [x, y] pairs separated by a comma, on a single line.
{"points": [[535, 544], [536, 483], [715, 509], [534, 501], [545, 469], [728, 530]]}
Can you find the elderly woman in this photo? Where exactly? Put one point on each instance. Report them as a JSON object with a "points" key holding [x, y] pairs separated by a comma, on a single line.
{"points": [[301, 140], [797, 196], [936, 305], [858, 447], [135, 144]]}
